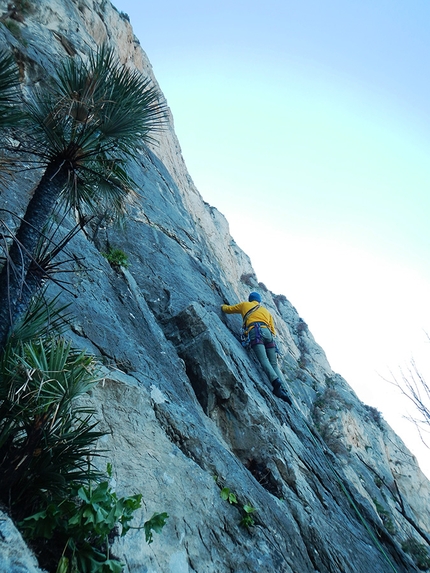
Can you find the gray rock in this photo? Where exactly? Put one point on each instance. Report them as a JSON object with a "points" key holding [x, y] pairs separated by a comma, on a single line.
{"points": [[15, 557], [186, 409]]}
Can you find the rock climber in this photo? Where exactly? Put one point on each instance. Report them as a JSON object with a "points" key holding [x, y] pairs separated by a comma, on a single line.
{"points": [[258, 324]]}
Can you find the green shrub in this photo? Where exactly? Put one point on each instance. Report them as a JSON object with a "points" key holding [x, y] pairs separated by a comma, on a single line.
{"points": [[47, 441], [156, 523], [13, 28], [375, 415], [76, 532], [332, 438], [249, 279], [385, 517], [22, 6], [116, 258], [378, 481], [419, 553]]}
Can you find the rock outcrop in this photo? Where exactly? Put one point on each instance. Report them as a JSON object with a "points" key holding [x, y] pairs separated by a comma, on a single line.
{"points": [[187, 410]]}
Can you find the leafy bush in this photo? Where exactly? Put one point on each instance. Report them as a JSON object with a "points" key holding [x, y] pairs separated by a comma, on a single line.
{"points": [[378, 481], [76, 532], [375, 415], [47, 441], [80, 528], [332, 438], [156, 523], [249, 279], [13, 28], [116, 258], [419, 553], [385, 516], [301, 326], [325, 417]]}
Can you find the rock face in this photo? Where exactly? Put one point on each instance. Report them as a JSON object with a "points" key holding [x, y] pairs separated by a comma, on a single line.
{"points": [[188, 411], [14, 555]]}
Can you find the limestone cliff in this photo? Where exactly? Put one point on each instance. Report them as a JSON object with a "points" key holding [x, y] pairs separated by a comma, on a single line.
{"points": [[186, 408]]}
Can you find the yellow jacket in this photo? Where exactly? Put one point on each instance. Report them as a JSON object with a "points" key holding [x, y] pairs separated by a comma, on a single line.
{"points": [[259, 315]]}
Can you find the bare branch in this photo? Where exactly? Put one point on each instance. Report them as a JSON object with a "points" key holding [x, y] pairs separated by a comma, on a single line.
{"points": [[413, 385]]}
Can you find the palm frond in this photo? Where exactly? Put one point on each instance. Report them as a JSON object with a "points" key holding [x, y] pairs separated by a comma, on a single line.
{"points": [[102, 186], [60, 373], [45, 438], [85, 83], [97, 107], [43, 318], [133, 109], [93, 118], [45, 263], [50, 130], [9, 91]]}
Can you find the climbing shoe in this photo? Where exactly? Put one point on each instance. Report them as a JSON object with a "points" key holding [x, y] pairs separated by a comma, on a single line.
{"points": [[279, 392]]}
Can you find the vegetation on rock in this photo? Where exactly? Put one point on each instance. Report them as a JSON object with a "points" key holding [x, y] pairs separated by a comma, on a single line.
{"points": [[81, 128]]}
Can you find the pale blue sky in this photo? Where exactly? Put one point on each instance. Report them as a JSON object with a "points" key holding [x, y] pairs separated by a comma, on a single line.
{"points": [[310, 121]]}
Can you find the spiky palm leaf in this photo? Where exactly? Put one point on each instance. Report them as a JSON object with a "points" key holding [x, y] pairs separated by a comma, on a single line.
{"points": [[101, 186], [46, 265], [94, 116], [104, 96], [45, 438], [99, 107], [10, 110], [60, 373], [9, 90], [42, 319]]}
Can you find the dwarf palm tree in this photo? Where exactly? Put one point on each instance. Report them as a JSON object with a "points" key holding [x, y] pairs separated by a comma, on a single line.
{"points": [[82, 128], [45, 439], [45, 435]]}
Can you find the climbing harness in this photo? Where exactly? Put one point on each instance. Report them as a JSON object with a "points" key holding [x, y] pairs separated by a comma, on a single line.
{"points": [[244, 332], [258, 338]]}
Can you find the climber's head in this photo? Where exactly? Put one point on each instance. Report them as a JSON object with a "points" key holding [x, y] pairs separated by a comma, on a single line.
{"points": [[254, 296]]}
